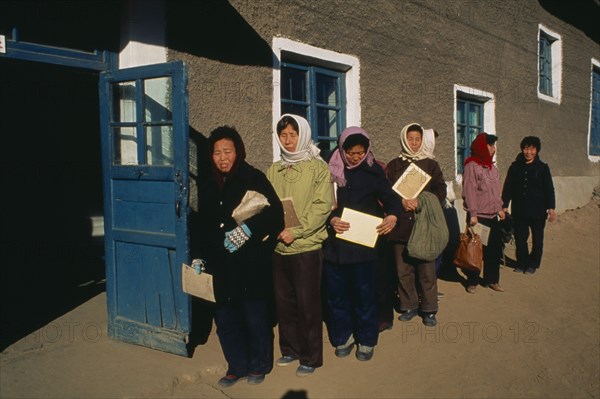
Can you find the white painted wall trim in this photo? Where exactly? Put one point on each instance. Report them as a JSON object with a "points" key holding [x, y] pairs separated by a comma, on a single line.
{"points": [[595, 63], [143, 40], [489, 115], [329, 59], [556, 48]]}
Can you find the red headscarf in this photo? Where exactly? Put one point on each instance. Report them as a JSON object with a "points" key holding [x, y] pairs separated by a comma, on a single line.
{"points": [[480, 153]]}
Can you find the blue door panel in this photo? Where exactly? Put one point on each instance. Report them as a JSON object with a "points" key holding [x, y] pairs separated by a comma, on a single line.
{"points": [[130, 293], [144, 191], [147, 217]]}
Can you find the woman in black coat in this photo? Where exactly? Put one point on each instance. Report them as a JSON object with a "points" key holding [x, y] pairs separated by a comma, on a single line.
{"points": [[529, 186], [239, 257]]}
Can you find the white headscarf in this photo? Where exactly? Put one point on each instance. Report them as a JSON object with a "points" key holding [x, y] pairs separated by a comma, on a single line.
{"points": [[305, 149], [407, 153], [428, 143]]}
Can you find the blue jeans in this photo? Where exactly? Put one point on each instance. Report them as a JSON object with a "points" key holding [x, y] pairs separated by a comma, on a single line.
{"points": [[351, 304], [246, 335]]}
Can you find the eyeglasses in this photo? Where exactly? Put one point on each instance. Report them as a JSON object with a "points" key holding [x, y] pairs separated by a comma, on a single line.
{"points": [[353, 153]]}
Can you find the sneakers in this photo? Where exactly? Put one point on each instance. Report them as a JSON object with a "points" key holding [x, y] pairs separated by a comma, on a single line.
{"points": [[230, 380], [471, 289], [303, 371], [496, 287], [530, 270], [364, 352], [285, 360], [518, 270], [255, 379], [429, 320], [408, 315], [344, 350]]}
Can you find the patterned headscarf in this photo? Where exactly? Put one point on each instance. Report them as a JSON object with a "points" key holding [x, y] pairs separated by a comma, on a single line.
{"points": [[338, 160], [305, 149]]}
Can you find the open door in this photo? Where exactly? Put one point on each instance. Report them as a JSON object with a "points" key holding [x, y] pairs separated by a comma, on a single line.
{"points": [[144, 128]]}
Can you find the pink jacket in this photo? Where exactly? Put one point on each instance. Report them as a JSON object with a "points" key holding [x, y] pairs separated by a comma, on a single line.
{"points": [[481, 191]]}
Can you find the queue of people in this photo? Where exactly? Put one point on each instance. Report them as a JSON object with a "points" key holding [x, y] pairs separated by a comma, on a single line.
{"points": [[300, 276]]}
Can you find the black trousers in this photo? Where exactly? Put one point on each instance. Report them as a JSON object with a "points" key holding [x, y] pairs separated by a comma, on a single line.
{"points": [[526, 259], [491, 255], [246, 335], [297, 280]]}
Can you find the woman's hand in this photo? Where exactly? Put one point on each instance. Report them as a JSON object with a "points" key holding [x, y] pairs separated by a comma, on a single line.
{"points": [[339, 225], [474, 220], [286, 237], [501, 215], [410, 204], [388, 224], [551, 215]]}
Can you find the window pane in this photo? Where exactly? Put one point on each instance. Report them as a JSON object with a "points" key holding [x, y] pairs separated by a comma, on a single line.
{"points": [[461, 139], [326, 147], [301, 110], [157, 100], [327, 124], [460, 111], [326, 90], [293, 84], [474, 114], [159, 145], [124, 107], [125, 146]]}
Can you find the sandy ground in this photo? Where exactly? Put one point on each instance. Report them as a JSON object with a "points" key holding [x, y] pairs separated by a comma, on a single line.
{"points": [[540, 338]]}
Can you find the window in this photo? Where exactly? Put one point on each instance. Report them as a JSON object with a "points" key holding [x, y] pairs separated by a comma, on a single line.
{"points": [[549, 65], [475, 113], [594, 134], [318, 95], [469, 123], [321, 85]]}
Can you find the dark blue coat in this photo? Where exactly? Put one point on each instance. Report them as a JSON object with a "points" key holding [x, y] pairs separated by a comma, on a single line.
{"points": [[367, 190], [530, 188], [246, 273]]}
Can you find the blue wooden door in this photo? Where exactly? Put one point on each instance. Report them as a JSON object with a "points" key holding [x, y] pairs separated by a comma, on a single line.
{"points": [[144, 125]]}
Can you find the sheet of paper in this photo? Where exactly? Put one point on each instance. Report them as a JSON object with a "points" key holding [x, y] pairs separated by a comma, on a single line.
{"points": [[362, 227], [198, 285], [289, 213], [483, 232], [412, 182]]}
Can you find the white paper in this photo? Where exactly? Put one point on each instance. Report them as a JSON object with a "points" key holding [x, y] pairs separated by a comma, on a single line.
{"points": [[483, 231], [362, 227]]}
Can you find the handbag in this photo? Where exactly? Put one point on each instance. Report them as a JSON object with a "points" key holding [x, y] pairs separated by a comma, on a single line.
{"points": [[469, 254]]}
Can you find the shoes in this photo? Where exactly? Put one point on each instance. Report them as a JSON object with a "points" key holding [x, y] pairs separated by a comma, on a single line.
{"points": [[385, 325], [255, 379], [364, 353], [229, 380], [408, 315], [496, 287], [429, 320], [530, 270], [518, 270], [344, 350], [303, 371], [441, 294], [471, 289], [285, 360]]}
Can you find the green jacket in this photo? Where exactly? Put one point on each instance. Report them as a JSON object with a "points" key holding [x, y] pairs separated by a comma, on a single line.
{"points": [[309, 184]]}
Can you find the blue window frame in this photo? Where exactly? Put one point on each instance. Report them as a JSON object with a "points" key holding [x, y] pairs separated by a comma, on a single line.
{"points": [[595, 123], [545, 65], [319, 95], [469, 123]]}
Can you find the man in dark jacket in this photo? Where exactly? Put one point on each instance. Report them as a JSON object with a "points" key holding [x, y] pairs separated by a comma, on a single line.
{"points": [[529, 186]]}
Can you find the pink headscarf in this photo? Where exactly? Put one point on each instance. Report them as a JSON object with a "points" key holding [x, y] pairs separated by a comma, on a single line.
{"points": [[339, 162]]}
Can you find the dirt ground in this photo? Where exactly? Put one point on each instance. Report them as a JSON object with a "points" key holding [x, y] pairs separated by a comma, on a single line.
{"points": [[540, 338]]}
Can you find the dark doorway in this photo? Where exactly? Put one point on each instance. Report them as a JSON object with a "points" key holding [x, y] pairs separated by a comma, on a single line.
{"points": [[51, 209]]}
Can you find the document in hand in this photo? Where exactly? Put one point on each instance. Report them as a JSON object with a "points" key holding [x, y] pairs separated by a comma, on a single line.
{"points": [[412, 182], [198, 285], [362, 227], [289, 213]]}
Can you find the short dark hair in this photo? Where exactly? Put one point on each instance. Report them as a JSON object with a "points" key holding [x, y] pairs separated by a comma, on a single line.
{"points": [[415, 128], [355, 139], [531, 141], [285, 121], [490, 138]]}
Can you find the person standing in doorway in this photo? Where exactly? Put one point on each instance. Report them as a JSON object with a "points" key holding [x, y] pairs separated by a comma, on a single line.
{"points": [[529, 187]]}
